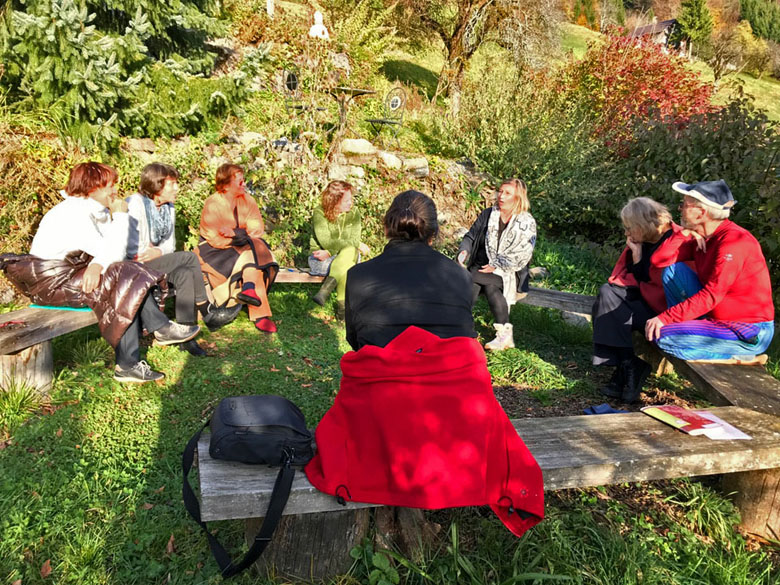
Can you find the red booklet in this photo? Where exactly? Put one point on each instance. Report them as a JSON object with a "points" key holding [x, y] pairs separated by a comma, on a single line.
{"points": [[681, 418]]}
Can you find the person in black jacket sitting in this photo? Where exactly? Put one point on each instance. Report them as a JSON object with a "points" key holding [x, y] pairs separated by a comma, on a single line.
{"points": [[409, 283], [496, 251]]}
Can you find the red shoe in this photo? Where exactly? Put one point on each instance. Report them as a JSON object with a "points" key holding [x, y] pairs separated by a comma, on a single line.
{"points": [[266, 325], [249, 297]]}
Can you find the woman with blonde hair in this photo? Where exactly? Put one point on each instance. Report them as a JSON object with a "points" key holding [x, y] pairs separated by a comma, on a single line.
{"points": [[496, 251], [233, 255], [633, 294], [335, 244]]}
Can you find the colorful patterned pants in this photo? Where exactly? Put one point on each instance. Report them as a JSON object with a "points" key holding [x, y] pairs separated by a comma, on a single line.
{"points": [[706, 338]]}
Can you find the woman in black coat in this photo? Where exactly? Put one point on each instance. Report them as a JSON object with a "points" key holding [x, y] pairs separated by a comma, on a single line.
{"points": [[409, 283], [496, 251]]}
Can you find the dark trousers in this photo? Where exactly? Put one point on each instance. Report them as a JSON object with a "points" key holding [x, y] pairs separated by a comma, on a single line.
{"points": [[149, 317], [492, 286], [183, 271], [617, 312]]}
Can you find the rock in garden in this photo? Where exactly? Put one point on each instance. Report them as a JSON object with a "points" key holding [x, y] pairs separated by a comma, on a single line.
{"points": [[418, 167], [140, 145], [389, 160], [357, 146]]}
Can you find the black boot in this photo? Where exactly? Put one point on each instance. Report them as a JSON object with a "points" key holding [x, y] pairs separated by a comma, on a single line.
{"points": [[637, 372], [614, 388], [216, 318], [193, 348], [328, 286]]}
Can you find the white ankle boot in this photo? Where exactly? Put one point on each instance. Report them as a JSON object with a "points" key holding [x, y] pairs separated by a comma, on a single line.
{"points": [[504, 337]]}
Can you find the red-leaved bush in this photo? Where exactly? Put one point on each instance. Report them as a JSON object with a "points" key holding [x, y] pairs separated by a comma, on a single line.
{"points": [[626, 82]]}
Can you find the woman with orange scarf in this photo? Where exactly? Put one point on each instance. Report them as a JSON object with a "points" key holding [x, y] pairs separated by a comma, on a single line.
{"points": [[235, 259]]}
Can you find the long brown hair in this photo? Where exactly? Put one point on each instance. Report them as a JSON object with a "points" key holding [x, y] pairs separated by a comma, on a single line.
{"points": [[332, 196]]}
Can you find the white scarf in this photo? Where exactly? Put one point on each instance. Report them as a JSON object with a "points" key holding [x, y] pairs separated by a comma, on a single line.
{"points": [[514, 250]]}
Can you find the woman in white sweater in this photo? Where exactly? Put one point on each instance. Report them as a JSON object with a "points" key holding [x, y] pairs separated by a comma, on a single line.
{"points": [[92, 220], [152, 240]]}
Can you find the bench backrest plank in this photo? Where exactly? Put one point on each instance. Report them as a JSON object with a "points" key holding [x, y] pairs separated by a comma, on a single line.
{"points": [[40, 325], [556, 299], [573, 451]]}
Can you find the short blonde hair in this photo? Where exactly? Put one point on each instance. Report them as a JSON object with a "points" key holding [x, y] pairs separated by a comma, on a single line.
{"points": [[521, 191], [647, 215]]}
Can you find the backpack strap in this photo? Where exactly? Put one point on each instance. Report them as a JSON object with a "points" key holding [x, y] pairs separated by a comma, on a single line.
{"points": [[273, 515]]}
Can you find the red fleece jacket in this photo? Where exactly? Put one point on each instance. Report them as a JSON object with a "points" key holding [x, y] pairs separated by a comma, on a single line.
{"points": [[652, 291], [732, 271], [416, 424]]}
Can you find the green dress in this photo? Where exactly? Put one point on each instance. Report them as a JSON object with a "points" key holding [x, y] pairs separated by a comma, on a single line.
{"points": [[341, 238]]}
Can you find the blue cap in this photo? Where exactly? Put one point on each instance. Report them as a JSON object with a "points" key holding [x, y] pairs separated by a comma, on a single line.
{"points": [[713, 193]]}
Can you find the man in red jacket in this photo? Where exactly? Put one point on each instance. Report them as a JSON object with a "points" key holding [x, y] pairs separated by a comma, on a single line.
{"points": [[726, 314]]}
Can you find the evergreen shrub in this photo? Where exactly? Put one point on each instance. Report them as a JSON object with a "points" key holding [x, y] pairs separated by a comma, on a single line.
{"points": [[99, 68]]}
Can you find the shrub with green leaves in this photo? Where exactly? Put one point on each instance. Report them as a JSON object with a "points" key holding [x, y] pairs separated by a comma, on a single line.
{"points": [[735, 143], [102, 70]]}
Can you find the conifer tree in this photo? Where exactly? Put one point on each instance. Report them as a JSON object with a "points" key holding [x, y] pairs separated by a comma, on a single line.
{"points": [[86, 62], [695, 21], [763, 16]]}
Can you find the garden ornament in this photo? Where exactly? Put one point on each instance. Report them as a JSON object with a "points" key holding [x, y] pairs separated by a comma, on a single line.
{"points": [[318, 30]]}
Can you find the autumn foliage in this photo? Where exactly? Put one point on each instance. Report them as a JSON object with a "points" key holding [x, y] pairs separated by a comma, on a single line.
{"points": [[625, 82]]}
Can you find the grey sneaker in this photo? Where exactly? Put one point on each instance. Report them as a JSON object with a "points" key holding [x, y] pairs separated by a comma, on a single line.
{"points": [[175, 333], [139, 373]]}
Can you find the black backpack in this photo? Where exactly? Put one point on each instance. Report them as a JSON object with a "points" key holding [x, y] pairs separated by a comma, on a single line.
{"points": [[262, 429]]}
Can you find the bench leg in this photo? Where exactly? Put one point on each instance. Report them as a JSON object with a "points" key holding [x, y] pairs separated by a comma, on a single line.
{"points": [[311, 547], [757, 495], [33, 365]]}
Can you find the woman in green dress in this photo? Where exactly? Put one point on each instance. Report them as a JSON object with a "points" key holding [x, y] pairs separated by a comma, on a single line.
{"points": [[335, 245]]}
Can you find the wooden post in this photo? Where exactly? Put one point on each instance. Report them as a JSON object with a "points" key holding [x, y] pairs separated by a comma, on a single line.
{"points": [[269, 8], [757, 495], [311, 547], [32, 365]]}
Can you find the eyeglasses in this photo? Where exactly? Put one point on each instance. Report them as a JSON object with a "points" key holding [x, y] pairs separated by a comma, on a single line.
{"points": [[685, 204]]}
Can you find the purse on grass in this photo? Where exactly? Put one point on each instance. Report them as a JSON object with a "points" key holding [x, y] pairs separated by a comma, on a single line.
{"points": [[263, 429]]}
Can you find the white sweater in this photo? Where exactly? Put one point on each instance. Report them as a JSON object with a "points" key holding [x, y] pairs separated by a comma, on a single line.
{"points": [[81, 224], [139, 240]]}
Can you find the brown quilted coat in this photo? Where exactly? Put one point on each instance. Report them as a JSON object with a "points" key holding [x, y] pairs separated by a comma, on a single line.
{"points": [[116, 300]]}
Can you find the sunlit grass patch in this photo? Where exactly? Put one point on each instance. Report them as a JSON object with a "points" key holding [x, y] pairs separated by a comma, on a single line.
{"points": [[18, 399]]}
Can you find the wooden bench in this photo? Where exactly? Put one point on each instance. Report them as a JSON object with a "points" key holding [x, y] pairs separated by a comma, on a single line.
{"points": [[537, 297], [573, 452], [25, 342], [722, 384]]}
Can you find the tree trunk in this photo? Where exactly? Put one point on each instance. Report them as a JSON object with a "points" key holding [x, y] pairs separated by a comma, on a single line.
{"points": [[311, 547], [757, 495], [33, 366]]}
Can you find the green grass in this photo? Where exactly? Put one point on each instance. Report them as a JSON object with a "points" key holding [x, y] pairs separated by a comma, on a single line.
{"points": [[576, 39]]}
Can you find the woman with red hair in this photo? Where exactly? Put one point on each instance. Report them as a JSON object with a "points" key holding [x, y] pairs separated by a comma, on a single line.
{"points": [[233, 255]]}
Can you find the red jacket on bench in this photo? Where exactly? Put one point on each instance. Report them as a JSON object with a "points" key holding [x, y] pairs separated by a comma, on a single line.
{"points": [[416, 424]]}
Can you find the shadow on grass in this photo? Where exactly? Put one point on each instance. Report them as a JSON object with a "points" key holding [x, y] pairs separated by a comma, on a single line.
{"points": [[411, 74], [92, 488]]}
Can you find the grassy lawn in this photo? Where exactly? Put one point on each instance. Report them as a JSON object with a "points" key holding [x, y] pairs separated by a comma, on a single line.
{"points": [[90, 484], [576, 38]]}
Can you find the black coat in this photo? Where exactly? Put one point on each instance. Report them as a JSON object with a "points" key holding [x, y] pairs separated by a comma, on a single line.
{"points": [[474, 241], [409, 283]]}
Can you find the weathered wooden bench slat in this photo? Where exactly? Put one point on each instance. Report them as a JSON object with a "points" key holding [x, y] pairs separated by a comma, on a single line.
{"points": [[722, 384], [556, 299], [573, 451], [40, 325]]}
